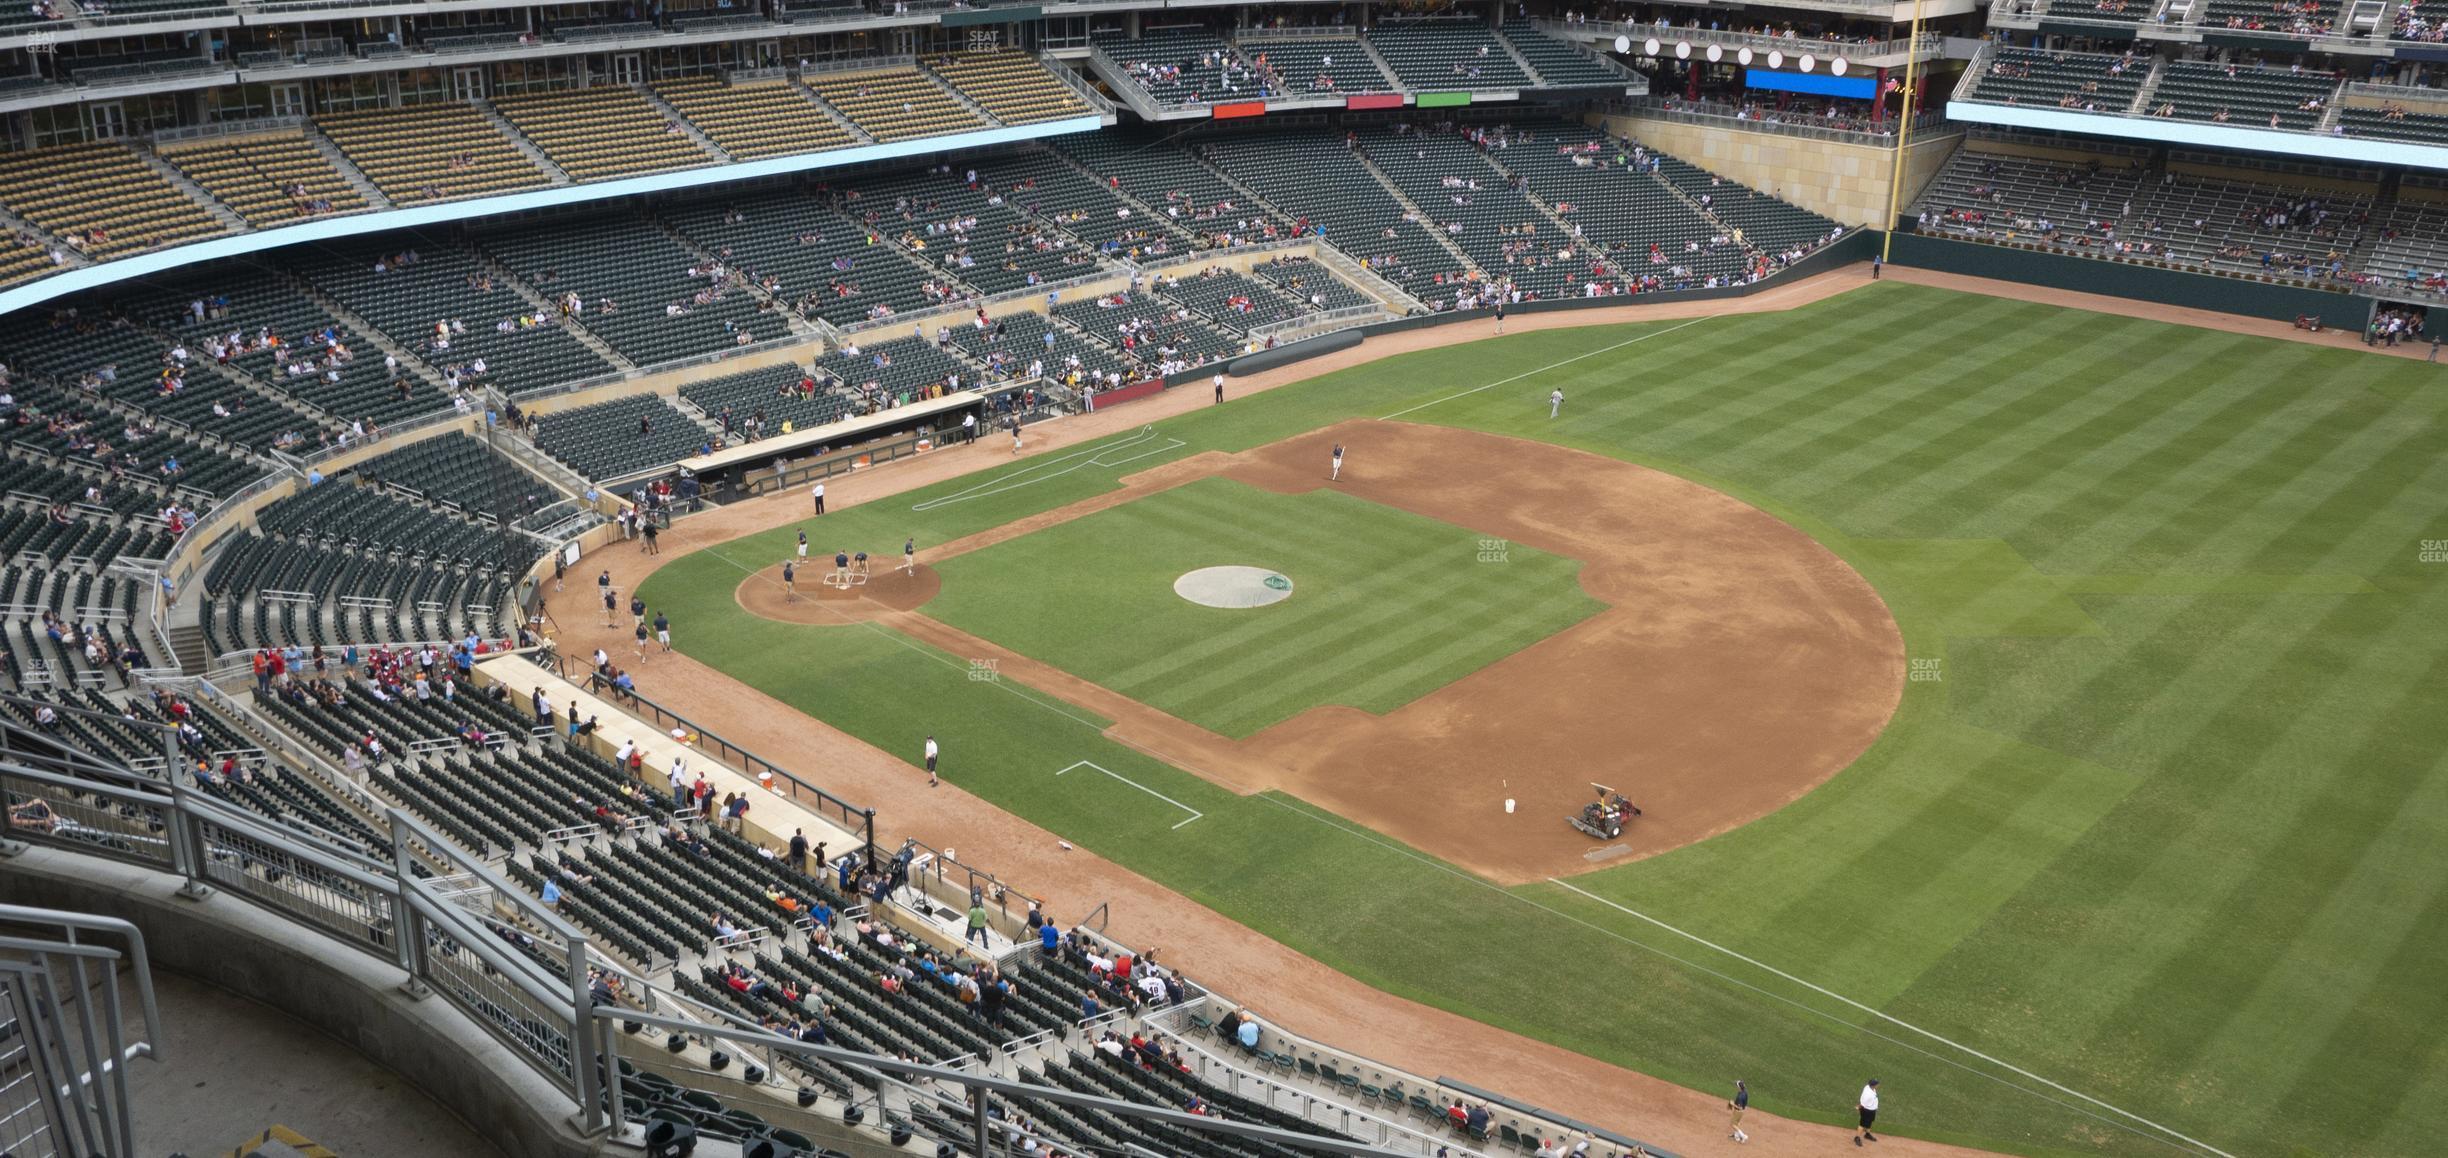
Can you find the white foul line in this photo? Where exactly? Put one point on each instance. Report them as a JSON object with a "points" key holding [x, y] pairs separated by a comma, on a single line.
{"points": [[1897, 1022], [1544, 369], [1194, 813], [1041, 469]]}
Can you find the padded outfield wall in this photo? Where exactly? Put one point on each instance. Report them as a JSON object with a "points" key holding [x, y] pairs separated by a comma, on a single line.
{"points": [[2202, 291]]}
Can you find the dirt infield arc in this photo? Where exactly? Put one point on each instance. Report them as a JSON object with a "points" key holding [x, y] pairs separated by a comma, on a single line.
{"points": [[1739, 663]]}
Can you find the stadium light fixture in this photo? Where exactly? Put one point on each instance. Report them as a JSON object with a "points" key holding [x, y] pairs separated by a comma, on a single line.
{"points": [[1649, 47], [1809, 62], [1838, 66], [1716, 52], [1742, 56], [1682, 50], [1776, 59], [1623, 45]]}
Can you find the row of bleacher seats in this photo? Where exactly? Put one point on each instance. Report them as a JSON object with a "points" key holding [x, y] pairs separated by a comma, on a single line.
{"points": [[752, 121], [1296, 68], [625, 435], [595, 133], [431, 152], [641, 292], [269, 179], [1442, 55], [459, 473], [100, 198], [2079, 80], [894, 104], [2116, 207], [1010, 85]]}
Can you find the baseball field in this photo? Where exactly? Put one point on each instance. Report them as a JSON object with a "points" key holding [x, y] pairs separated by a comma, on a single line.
{"points": [[2036, 708]]}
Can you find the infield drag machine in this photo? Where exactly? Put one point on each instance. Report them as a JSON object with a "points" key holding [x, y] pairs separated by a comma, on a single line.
{"points": [[1605, 817]]}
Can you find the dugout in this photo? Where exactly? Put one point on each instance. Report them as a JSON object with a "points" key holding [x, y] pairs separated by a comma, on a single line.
{"points": [[753, 468]]}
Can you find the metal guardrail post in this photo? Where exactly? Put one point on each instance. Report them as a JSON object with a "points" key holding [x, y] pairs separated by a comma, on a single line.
{"points": [[584, 1043], [188, 852], [408, 925]]}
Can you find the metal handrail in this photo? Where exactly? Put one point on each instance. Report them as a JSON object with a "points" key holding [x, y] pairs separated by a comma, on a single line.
{"points": [[1668, 35], [1707, 113]]}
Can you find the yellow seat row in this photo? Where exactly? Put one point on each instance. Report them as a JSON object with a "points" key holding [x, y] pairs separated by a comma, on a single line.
{"points": [[761, 119], [269, 179], [101, 198], [895, 104], [603, 132], [1011, 86], [431, 152]]}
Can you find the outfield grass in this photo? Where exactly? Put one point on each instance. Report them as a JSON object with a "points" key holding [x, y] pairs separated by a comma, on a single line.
{"points": [[1386, 606], [2169, 830]]}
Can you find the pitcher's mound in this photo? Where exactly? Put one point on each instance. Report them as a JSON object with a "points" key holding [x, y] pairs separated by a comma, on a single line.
{"points": [[884, 591], [1233, 587]]}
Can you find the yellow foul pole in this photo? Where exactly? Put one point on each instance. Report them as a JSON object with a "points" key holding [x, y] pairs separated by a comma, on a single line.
{"points": [[1895, 175]]}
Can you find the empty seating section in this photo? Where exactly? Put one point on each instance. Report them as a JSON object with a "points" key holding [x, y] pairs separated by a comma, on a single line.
{"points": [[1469, 200], [100, 198], [1308, 280], [124, 362], [289, 345], [1147, 331], [2395, 124], [895, 104], [751, 121], [1313, 178], [624, 436], [1011, 86], [459, 473], [2230, 224], [1595, 184], [210, 458], [430, 152], [1558, 63], [826, 265], [1994, 195], [895, 368], [1231, 301], [23, 257], [1021, 339], [2209, 220], [341, 563], [2101, 11], [2410, 252], [1296, 68], [1181, 66], [2202, 91], [777, 394], [1758, 219], [2297, 17], [974, 234], [1043, 186], [636, 289], [268, 180], [450, 310], [602, 132], [374, 519], [1162, 176], [1438, 55], [2077, 80]]}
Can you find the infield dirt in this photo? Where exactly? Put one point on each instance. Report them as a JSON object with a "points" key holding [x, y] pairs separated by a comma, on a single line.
{"points": [[1738, 664]]}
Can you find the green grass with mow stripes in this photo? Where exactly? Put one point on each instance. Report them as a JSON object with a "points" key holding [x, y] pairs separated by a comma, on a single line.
{"points": [[1386, 605], [2170, 828]]}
